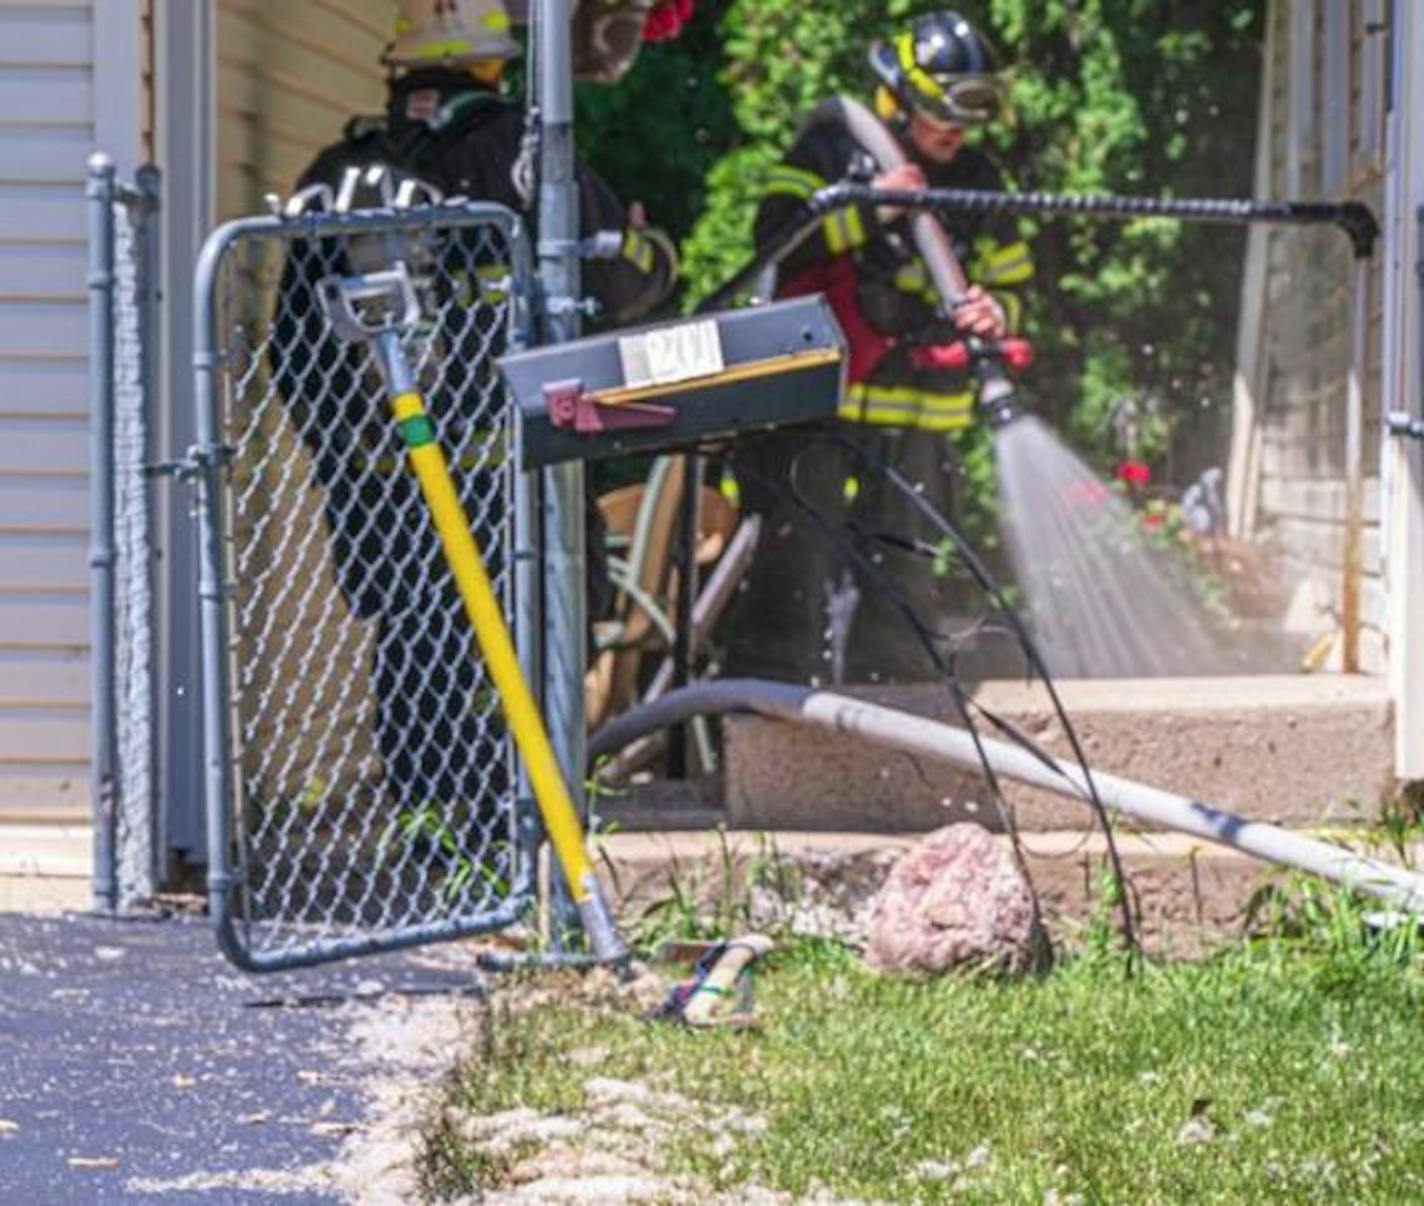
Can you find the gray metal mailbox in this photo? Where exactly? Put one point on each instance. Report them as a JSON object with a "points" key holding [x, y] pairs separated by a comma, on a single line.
{"points": [[676, 383]]}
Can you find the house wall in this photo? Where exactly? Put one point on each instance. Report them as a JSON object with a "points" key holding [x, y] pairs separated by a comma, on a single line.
{"points": [[289, 75], [1403, 459], [1325, 114], [59, 101]]}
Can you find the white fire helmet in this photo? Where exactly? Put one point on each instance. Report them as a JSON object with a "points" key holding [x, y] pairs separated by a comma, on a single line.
{"points": [[434, 33]]}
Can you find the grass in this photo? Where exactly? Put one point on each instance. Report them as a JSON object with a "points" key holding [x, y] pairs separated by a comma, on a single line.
{"points": [[1287, 1070]]}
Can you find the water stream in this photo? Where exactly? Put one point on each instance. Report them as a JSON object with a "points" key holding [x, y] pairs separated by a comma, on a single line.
{"points": [[1103, 603]]}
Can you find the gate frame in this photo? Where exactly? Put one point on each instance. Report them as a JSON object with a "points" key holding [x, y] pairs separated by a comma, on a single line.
{"points": [[209, 458]]}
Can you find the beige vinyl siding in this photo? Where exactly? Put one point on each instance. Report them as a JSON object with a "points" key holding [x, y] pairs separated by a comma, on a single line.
{"points": [[47, 131], [59, 101], [289, 77], [1324, 144]]}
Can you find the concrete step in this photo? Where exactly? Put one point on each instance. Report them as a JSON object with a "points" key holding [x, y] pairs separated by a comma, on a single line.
{"points": [[1295, 750], [44, 868], [1190, 894]]}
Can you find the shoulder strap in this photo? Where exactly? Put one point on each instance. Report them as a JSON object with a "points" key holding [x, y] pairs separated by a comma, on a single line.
{"points": [[457, 118]]}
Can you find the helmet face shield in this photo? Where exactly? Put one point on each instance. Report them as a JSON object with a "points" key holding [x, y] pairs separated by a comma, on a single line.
{"points": [[963, 101]]}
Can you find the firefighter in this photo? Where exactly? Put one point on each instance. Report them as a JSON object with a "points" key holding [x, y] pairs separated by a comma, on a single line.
{"points": [[449, 125], [936, 80]]}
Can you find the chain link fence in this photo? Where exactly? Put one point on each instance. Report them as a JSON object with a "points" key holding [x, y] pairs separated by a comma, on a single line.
{"points": [[362, 791], [124, 291]]}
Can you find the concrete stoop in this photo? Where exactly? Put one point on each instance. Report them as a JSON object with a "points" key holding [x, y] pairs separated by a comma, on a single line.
{"points": [[1190, 894], [1294, 750], [44, 867]]}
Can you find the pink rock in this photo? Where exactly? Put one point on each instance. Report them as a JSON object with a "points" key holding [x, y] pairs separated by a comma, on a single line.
{"points": [[955, 899]]}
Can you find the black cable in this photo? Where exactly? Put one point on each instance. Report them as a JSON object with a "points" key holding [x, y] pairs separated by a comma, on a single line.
{"points": [[991, 588], [925, 635]]}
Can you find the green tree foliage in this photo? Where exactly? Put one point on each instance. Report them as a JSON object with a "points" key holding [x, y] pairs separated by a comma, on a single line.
{"points": [[658, 133], [1152, 97]]}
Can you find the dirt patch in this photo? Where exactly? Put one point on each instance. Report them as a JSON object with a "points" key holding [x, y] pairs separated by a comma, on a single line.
{"points": [[406, 1047], [605, 1150]]}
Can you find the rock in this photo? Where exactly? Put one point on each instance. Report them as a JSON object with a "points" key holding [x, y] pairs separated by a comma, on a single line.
{"points": [[956, 899]]}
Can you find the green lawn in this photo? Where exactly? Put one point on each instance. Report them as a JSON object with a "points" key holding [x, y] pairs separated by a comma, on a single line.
{"points": [[1271, 1074]]}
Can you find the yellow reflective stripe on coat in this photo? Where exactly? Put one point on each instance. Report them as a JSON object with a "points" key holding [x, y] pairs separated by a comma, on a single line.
{"points": [[844, 230], [1002, 263], [639, 250], [914, 278], [798, 182], [489, 277], [907, 406], [1012, 305]]}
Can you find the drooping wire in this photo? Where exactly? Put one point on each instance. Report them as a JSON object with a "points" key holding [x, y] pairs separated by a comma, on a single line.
{"points": [[980, 572], [926, 636]]}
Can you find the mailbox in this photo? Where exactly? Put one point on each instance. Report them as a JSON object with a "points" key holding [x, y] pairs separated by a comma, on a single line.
{"points": [[677, 383]]}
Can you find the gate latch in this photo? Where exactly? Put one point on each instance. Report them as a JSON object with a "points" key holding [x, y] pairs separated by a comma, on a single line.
{"points": [[570, 406], [189, 466]]}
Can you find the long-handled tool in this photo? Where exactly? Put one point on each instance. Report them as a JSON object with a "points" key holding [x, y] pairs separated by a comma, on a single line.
{"points": [[377, 309]]}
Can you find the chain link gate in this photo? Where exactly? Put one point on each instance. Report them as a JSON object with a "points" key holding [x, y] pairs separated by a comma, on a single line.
{"points": [[124, 327], [362, 791]]}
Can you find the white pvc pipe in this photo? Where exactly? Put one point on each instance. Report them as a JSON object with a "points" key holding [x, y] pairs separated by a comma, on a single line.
{"points": [[944, 743], [927, 738]]}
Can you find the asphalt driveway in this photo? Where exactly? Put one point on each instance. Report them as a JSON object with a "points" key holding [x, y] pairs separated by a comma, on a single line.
{"points": [[137, 1065]]}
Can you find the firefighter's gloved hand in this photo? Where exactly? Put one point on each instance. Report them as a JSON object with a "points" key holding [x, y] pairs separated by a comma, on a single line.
{"points": [[980, 314]]}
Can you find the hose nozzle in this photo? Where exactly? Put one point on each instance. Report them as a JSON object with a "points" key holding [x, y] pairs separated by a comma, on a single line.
{"points": [[999, 399]]}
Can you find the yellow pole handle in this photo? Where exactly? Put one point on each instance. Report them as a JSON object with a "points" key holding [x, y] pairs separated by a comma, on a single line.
{"points": [[527, 725]]}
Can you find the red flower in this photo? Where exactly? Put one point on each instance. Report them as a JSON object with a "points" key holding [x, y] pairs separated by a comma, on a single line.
{"points": [[666, 19], [1136, 473], [1152, 519]]}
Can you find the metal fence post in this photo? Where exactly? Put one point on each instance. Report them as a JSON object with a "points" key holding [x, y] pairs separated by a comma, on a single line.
{"points": [[99, 193], [136, 411], [1354, 469], [528, 616], [212, 585], [563, 519]]}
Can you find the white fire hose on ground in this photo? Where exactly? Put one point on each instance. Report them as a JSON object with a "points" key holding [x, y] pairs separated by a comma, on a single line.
{"points": [[1399, 887]]}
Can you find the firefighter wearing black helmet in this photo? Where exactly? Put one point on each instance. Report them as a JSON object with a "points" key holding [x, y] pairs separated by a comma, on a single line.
{"points": [[934, 81]]}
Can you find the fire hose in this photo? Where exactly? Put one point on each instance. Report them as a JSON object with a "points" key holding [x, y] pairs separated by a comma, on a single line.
{"points": [[916, 735]]}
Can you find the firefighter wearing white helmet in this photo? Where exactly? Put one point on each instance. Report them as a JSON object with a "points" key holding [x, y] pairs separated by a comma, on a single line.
{"points": [[449, 123], [451, 33]]}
